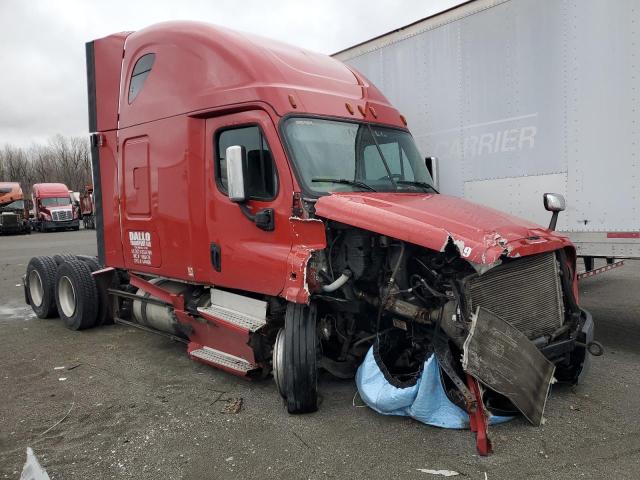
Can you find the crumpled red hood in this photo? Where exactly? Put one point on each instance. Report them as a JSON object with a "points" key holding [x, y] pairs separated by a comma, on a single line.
{"points": [[481, 234]]}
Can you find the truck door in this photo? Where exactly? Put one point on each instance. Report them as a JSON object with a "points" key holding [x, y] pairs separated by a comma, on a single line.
{"points": [[138, 230], [242, 255]]}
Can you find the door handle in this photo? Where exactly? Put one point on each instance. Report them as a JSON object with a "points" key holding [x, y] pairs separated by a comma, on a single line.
{"points": [[216, 257]]}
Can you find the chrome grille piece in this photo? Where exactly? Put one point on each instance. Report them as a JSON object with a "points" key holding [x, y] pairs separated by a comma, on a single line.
{"points": [[61, 215], [525, 292], [8, 219]]}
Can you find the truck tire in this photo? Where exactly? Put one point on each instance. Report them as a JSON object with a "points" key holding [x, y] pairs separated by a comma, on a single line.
{"points": [[76, 295], [103, 317], [60, 258], [91, 261], [300, 380], [40, 282]]}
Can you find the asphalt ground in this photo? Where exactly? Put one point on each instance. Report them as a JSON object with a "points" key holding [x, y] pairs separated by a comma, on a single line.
{"points": [[133, 405]]}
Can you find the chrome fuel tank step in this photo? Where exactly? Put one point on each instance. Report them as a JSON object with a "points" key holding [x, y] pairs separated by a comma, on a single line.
{"points": [[239, 311], [224, 360]]}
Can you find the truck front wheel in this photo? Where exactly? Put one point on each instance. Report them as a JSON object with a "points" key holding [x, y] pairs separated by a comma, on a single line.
{"points": [[295, 359], [76, 295]]}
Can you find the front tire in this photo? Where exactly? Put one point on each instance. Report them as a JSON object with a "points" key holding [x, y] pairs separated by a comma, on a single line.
{"points": [[76, 295], [300, 351]]}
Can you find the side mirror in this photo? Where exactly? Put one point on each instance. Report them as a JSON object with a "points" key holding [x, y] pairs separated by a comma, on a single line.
{"points": [[553, 202], [432, 166], [236, 156]]}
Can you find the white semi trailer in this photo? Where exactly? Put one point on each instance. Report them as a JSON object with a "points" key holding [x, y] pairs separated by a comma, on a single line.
{"points": [[520, 97]]}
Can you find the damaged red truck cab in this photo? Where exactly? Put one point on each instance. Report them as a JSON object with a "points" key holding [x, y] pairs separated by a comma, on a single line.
{"points": [[268, 206]]}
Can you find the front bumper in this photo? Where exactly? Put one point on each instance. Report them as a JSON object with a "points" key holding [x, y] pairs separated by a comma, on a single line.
{"points": [[570, 354], [50, 225], [15, 228], [586, 336]]}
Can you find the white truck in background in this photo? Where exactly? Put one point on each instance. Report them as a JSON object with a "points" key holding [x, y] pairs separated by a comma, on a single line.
{"points": [[517, 98]]}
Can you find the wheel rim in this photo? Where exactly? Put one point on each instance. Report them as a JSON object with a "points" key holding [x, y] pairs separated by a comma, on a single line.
{"points": [[67, 296], [278, 362], [36, 290]]}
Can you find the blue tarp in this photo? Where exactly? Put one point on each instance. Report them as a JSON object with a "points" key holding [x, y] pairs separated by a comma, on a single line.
{"points": [[425, 401]]}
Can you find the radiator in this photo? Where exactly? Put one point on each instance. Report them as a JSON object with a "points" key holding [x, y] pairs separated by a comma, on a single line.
{"points": [[526, 292]]}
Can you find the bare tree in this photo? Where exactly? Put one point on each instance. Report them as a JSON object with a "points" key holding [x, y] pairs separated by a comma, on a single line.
{"points": [[63, 159]]}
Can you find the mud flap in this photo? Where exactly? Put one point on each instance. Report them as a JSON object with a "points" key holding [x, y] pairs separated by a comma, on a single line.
{"points": [[505, 360]]}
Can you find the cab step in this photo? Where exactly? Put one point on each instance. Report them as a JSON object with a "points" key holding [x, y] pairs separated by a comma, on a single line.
{"points": [[244, 313], [223, 360]]}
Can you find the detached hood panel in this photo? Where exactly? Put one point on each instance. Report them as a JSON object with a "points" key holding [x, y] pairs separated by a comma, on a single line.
{"points": [[481, 234]]}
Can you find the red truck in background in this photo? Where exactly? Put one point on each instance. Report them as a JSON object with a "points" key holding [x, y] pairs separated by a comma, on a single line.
{"points": [[268, 207], [53, 208], [14, 214], [87, 213]]}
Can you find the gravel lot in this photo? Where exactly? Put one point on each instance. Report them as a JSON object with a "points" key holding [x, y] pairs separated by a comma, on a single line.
{"points": [[139, 408]]}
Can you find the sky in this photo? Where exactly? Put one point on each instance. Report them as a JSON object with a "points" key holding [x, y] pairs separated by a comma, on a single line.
{"points": [[43, 78]]}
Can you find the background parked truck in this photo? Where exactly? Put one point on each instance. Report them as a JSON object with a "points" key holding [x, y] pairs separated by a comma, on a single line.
{"points": [[14, 214], [53, 208], [517, 98]]}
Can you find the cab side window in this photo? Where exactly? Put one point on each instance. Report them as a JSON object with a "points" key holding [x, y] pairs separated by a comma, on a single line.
{"points": [[140, 73], [262, 179]]}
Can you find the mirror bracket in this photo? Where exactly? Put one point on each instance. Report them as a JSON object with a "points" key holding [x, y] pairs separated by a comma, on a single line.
{"points": [[264, 219]]}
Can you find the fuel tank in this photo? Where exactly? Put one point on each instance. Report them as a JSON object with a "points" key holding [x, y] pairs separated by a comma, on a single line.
{"points": [[160, 317]]}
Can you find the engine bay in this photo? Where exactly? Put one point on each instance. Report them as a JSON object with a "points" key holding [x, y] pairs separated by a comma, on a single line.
{"points": [[407, 303]]}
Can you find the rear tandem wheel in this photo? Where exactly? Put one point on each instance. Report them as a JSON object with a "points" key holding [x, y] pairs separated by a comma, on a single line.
{"points": [[76, 295]]}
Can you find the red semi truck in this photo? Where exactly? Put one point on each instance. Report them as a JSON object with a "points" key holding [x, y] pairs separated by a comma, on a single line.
{"points": [[53, 208], [267, 206], [14, 214]]}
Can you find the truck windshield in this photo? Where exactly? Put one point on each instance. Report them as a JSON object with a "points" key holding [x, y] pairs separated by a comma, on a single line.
{"points": [[55, 201], [338, 156], [17, 205]]}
